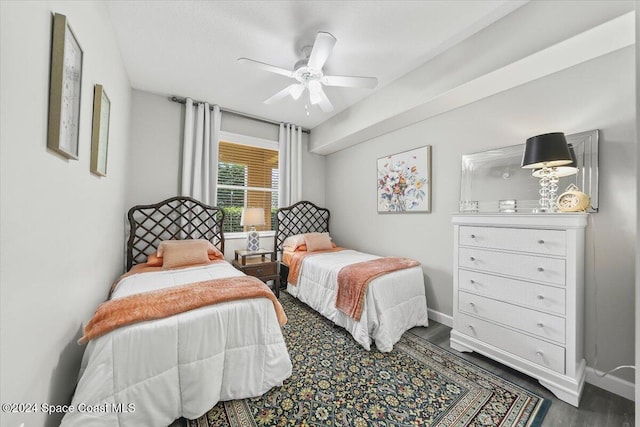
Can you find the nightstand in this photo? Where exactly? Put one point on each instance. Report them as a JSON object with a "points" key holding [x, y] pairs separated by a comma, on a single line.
{"points": [[261, 264]]}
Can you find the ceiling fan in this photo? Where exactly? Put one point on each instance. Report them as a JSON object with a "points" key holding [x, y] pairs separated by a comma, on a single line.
{"points": [[309, 75]]}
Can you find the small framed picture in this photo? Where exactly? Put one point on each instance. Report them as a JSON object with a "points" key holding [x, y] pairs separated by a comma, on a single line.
{"points": [[100, 131], [64, 90]]}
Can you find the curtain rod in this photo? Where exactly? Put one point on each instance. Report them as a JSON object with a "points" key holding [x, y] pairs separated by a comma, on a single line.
{"points": [[235, 113]]}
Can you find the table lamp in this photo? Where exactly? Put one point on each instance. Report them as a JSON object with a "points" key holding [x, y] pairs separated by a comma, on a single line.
{"points": [[546, 152], [562, 171], [252, 217]]}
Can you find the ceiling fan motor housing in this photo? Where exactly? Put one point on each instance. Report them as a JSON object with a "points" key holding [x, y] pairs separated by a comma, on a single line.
{"points": [[304, 74]]}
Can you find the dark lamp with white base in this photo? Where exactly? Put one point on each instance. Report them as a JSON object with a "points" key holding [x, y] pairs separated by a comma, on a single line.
{"points": [[546, 153], [252, 217]]}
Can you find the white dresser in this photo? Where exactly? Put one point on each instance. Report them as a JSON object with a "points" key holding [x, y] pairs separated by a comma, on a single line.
{"points": [[519, 294]]}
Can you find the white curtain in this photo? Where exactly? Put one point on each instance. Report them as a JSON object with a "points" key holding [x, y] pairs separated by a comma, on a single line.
{"points": [[200, 152], [290, 164]]}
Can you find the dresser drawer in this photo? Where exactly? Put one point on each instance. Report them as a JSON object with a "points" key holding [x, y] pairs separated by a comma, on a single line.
{"points": [[528, 267], [532, 349], [261, 270], [533, 295], [533, 322], [544, 242]]}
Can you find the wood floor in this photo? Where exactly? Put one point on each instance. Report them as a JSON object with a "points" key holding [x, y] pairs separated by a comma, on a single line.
{"points": [[598, 407]]}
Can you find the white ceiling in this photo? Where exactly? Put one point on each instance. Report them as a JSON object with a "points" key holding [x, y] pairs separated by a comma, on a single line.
{"points": [[190, 48]]}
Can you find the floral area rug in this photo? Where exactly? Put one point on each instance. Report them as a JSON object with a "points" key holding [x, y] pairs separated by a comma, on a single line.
{"points": [[335, 382]]}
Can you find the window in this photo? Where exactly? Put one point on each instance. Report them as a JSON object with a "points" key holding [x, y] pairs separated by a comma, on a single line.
{"points": [[247, 176]]}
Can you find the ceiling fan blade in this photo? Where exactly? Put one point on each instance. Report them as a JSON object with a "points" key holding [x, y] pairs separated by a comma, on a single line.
{"points": [[320, 98], [266, 67], [350, 81], [322, 47], [295, 90], [289, 90]]}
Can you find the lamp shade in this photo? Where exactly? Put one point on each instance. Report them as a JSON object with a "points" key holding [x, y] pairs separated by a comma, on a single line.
{"points": [[547, 150], [252, 216], [566, 170]]}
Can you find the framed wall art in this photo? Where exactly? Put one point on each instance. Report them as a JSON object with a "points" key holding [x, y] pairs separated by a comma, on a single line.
{"points": [[404, 181], [100, 131], [64, 90]]}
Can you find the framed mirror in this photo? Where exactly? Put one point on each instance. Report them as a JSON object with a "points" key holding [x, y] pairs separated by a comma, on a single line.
{"points": [[494, 181]]}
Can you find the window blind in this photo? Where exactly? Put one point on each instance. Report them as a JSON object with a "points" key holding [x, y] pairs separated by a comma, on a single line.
{"points": [[247, 177]]}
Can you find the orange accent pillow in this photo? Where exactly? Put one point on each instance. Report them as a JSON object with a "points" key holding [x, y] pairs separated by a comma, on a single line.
{"points": [[188, 243], [153, 260], [292, 243], [317, 241], [181, 253], [303, 247], [295, 242], [213, 257]]}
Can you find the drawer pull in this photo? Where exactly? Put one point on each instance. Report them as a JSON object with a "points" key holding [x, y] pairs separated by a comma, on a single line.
{"points": [[471, 328], [541, 241], [540, 325], [473, 282], [472, 305], [259, 271], [541, 297], [472, 258], [540, 269], [473, 236], [539, 353]]}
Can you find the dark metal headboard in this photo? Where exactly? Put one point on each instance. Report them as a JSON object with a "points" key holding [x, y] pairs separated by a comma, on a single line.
{"points": [[177, 218], [299, 218]]}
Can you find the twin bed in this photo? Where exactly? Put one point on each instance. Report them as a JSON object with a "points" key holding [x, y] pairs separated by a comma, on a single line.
{"points": [[150, 372], [393, 302], [153, 372]]}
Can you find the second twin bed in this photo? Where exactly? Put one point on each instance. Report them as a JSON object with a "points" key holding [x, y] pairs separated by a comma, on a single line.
{"points": [[393, 301]]}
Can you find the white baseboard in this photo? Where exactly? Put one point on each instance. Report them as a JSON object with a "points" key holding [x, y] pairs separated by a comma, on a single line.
{"points": [[610, 383], [445, 319]]}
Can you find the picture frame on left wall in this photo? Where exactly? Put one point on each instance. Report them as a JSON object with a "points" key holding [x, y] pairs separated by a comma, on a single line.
{"points": [[100, 131], [64, 90]]}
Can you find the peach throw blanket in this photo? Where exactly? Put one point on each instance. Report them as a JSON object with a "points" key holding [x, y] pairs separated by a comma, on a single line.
{"points": [[113, 314], [296, 263], [353, 280]]}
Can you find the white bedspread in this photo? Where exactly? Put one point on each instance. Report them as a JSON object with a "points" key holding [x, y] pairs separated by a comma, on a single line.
{"points": [[180, 365], [394, 303]]}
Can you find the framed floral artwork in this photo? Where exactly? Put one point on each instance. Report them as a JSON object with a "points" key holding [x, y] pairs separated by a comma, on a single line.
{"points": [[64, 90], [404, 181]]}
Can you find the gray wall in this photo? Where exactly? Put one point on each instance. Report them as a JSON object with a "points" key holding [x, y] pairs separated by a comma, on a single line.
{"points": [[598, 94], [61, 228], [155, 150]]}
